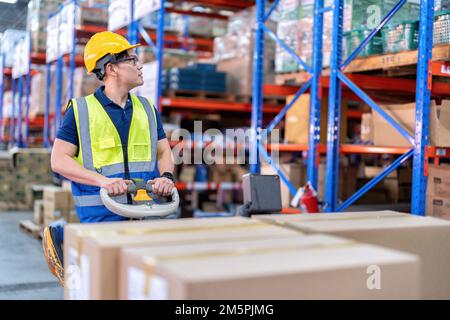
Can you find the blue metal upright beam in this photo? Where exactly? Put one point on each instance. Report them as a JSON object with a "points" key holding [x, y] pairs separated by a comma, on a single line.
{"points": [[47, 143], [73, 54], [18, 132], [258, 76], [2, 91], [334, 110], [315, 98], [133, 28], [13, 111], [419, 183], [58, 94], [160, 53]]}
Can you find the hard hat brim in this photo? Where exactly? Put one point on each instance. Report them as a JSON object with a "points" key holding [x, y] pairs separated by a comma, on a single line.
{"points": [[131, 47]]}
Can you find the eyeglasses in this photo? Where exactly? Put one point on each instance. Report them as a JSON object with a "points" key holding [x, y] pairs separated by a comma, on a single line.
{"points": [[133, 60]]}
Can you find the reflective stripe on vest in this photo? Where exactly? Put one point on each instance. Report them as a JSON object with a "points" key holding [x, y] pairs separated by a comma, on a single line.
{"points": [[86, 151]]}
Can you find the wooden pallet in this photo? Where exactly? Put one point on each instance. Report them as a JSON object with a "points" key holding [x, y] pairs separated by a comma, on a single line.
{"points": [[31, 228], [393, 64], [204, 95]]}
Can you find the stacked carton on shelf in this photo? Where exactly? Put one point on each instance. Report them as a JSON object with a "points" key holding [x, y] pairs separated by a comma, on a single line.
{"points": [[58, 204], [233, 52], [438, 192]]}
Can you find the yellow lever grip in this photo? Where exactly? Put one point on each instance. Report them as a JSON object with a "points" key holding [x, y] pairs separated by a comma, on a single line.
{"points": [[142, 195]]}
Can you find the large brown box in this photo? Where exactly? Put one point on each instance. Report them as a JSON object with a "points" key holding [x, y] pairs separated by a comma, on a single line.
{"points": [[91, 252], [438, 207], [300, 267], [404, 114], [346, 181], [297, 120], [439, 181], [426, 237]]}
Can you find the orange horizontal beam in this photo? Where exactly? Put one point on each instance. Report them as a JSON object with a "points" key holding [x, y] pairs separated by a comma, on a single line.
{"points": [[212, 105], [291, 211], [345, 148], [349, 148], [440, 68], [7, 72], [38, 58]]}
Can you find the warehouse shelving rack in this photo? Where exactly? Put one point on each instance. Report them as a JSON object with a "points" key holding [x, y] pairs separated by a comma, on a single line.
{"points": [[18, 136], [3, 74], [335, 81], [423, 95], [312, 83]]}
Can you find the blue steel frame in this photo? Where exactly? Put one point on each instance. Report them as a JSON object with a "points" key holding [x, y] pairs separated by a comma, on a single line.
{"points": [[135, 29], [60, 66], [313, 84], [16, 137], [337, 77], [419, 185], [2, 91], [48, 102]]}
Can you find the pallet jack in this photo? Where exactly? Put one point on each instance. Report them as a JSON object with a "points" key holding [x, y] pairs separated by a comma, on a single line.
{"points": [[145, 205]]}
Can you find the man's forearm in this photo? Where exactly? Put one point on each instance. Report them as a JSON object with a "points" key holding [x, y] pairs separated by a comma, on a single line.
{"points": [[165, 162], [72, 170]]}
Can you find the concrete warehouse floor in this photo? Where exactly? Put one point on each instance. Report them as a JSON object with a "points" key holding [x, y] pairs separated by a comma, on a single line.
{"points": [[24, 274], [23, 271]]}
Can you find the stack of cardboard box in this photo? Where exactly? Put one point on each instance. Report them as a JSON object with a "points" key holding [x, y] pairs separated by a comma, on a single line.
{"points": [[297, 120], [227, 258], [58, 204], [438, 192], [19, 168]]}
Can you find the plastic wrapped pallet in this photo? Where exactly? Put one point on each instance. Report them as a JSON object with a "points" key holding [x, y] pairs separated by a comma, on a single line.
{"points": [[441, 31], [233, 52], [9, 40]]}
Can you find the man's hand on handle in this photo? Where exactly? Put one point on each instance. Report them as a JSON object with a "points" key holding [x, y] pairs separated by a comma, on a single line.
{"points": [[115, 186], [162, 186]]}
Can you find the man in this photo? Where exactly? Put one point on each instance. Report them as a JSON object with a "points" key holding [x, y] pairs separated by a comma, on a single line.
{"points": [[108, 138]]}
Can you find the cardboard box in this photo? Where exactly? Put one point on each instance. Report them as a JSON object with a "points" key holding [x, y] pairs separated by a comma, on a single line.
{"points": [[439, 124], [297, 120], [57, 198], [426, 237], [404, 114], [306, 267], [438, 207], [295, 172], [385, 134], [367, 128], [91, 251], [38, 216], [346, 181], [438, 183]]}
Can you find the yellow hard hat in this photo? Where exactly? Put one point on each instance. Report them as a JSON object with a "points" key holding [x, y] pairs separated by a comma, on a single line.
{"points": [[104, 43]]}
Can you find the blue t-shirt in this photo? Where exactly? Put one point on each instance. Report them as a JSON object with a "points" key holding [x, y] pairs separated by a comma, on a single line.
{"points": [[120, 117]]}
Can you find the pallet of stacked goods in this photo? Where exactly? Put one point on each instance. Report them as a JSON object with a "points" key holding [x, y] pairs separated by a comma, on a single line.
{"points": [[233, 53], [19, 168]]}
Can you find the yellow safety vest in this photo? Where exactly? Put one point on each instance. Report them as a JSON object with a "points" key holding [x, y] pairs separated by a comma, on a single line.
{"points": [[101, 149]]}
